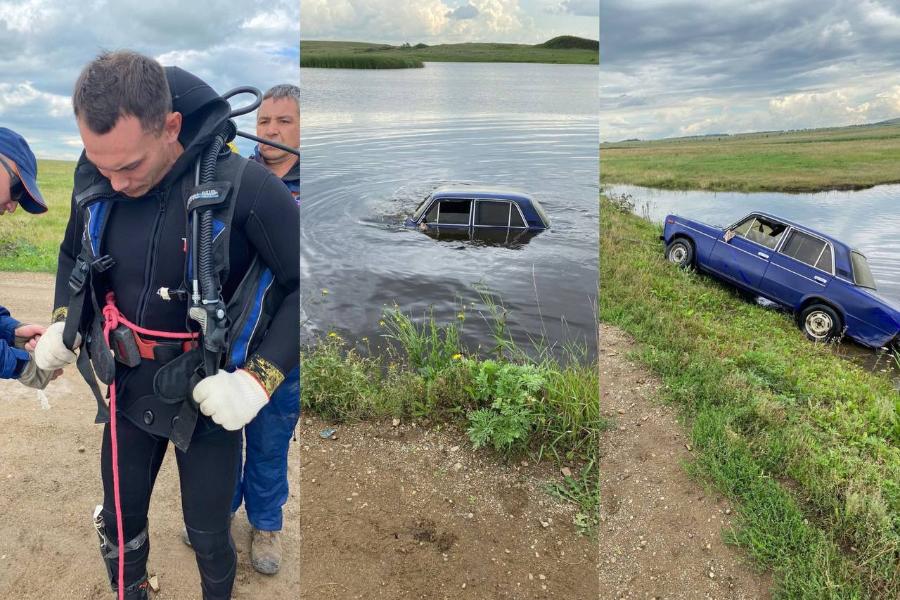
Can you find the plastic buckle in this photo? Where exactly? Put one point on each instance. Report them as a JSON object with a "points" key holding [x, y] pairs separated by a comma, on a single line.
{"points": [[79, 275], [103, 263]]}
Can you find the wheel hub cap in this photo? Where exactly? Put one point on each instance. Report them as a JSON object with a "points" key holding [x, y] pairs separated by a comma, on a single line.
{"points": [[818, 324]]}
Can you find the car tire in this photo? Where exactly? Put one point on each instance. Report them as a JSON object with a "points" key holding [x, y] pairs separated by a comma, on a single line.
{"points": [[680, 252], [820, 322]]}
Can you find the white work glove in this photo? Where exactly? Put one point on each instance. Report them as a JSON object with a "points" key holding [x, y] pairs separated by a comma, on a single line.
{"points": [[50, 353], [34, 377], [230, 399]]}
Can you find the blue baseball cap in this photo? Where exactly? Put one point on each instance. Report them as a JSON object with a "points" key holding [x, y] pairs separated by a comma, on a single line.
{"points": [[14, 147]]}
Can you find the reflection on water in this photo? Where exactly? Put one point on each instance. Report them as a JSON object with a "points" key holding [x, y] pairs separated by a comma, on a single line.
{"points": [[868, 220], [375, 143]]}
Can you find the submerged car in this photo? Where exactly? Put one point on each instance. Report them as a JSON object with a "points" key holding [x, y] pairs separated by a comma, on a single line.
{"points": [[464, 208], [826, 284]]}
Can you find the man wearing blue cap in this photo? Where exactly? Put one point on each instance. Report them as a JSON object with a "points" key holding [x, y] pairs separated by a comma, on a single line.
{"points": [[18, 171]]}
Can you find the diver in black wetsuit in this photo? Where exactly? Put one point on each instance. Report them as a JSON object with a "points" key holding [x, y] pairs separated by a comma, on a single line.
{"points": [[129, 233]]}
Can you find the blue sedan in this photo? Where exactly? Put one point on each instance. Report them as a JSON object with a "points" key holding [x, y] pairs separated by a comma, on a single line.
{"points": [[470, 208], [826, 284]]}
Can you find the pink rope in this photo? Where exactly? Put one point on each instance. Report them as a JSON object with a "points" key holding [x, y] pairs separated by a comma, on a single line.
{"points": [[113, 318]]}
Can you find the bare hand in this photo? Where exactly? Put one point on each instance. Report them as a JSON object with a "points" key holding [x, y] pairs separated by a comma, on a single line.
{"points": [[31, 333]]}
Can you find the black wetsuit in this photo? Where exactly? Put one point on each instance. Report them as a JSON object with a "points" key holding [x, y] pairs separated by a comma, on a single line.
{"points": [[145, 236]]}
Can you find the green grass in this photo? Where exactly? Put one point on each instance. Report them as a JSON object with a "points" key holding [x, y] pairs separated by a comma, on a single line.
{"points": [[31, 242], [360, 54], [360, 61], [514, 405], [805, 442], [801, 161]]}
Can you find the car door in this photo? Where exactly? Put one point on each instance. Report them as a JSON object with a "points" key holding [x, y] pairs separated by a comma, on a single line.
{"points": [[802, 266], [742, 253]]}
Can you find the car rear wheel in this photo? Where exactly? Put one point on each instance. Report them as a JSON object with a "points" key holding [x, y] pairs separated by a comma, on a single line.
{"points": [[820, 322], [680, 252]]}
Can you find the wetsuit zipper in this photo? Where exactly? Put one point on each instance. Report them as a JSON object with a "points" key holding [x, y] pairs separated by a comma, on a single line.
{"points": [[150, 267]]}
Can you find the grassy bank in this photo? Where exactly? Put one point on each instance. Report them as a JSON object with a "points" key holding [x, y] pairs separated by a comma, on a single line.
{"points": [[360, 61], [31, 242], [822, 159], [803, 441], [506, 401], [360, 55]]}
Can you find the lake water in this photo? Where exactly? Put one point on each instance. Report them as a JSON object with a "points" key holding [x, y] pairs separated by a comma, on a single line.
{"points": [[866, 219], [375, 143]]}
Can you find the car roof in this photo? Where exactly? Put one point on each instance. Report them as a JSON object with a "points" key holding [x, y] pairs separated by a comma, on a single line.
{"points": [[834, 241], [460, 191]]}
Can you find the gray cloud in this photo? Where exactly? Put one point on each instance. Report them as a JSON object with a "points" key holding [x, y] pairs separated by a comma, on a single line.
{"points": [[742, 57], [44, 44], [466, 11]]}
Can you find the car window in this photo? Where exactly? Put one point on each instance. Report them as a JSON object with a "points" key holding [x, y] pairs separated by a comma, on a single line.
{"points": [[825, 262], [765, 232], [515, 218], [454, 212], [492, 213], [432, 216], [744, 226], [862, 275], [420, 208], [805, 248]]}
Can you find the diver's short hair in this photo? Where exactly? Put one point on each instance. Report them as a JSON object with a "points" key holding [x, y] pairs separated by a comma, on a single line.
{"points": [[122, 83]]}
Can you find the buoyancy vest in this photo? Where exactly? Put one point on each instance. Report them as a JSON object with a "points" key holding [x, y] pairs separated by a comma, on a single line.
{"points": [[169, 410]]}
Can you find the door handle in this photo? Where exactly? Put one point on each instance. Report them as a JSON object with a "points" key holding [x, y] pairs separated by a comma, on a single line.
{"points": [[762, 255], [821, 280]]}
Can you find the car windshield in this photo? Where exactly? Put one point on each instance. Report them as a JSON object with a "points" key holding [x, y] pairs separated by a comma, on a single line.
{"points": [[421, 208], [862, 275]]}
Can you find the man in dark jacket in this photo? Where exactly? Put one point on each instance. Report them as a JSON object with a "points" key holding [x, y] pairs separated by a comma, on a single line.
{"points": [[264, 484], [18, 187], [144, 129]]}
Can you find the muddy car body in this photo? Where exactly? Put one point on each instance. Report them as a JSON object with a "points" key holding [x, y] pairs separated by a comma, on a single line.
{"points": [[826, 284], [463, 208]]}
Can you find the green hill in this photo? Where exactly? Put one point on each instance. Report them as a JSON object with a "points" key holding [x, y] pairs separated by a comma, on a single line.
{"points": [[565, 42], [365, 55]]}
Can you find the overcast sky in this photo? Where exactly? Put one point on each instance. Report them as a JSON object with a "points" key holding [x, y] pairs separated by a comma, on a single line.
{"points": [[45, 43], [688, 67], [448, 21]]}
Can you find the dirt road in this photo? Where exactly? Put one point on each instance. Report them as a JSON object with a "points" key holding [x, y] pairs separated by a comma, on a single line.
{"points": [[661, 532]]}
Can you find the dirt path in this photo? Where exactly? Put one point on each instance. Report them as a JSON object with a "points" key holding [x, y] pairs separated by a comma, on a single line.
{"points": [[50, 483], [661, 533], [379, 512]]}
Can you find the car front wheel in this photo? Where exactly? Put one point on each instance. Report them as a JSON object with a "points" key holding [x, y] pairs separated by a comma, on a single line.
{"points": [[820, 323], [680, 252]]}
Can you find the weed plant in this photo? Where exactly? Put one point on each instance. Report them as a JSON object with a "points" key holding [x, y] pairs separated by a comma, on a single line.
{"points": [[506, 401]]}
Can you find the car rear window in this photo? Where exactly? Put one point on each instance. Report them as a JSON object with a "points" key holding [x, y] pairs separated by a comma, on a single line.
{"points": [[807, 249], [862, 275]]}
